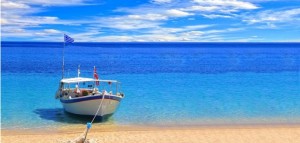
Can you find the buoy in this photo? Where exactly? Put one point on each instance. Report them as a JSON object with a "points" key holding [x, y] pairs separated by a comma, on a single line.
{"points": [[88, 125]]}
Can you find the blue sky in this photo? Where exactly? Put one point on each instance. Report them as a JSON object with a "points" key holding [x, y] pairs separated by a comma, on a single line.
{"points": [[151, 20]]}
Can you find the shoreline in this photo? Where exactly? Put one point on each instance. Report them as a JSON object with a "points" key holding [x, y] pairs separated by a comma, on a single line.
{"points": [[166, 134]]}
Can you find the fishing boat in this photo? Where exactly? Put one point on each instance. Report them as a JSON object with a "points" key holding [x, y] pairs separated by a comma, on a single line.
{"points": [[82, 96], [88, 96]]}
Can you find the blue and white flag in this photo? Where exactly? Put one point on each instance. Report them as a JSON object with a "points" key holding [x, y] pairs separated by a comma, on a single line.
{"points": [[68, 39]]}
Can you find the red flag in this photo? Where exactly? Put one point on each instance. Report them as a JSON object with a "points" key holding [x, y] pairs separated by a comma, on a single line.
{"points": [[96, 76]]}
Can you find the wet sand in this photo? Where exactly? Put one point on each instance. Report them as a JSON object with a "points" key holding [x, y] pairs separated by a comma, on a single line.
{"points": [[138, 134]]}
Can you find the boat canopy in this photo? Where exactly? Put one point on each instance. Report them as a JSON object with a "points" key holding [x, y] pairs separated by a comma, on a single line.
{"points": [[83, 79]]}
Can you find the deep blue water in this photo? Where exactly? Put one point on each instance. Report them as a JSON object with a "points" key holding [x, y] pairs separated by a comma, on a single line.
{"points": [[164, 83]]}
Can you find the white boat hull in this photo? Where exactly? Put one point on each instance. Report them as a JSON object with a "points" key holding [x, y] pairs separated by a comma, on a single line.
{"points": [[89, 105]]}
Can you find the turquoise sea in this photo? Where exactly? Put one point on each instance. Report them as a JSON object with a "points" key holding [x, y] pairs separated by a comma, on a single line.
{"points": [[181, 84]]}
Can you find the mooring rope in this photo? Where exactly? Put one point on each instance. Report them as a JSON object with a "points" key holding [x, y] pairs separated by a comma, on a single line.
{"points": [[89, 125]]}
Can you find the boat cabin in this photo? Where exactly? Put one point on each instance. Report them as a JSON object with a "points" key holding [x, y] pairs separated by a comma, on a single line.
{"points": [[79, 87]]}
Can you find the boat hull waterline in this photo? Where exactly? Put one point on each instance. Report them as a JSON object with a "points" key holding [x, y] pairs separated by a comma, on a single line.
{"points": [[89, 105]]}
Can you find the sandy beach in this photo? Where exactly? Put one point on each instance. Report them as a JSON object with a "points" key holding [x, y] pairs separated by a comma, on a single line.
{"points": [[132, 134]]}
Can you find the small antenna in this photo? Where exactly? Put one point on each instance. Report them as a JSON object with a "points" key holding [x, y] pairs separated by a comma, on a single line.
{"points": [[78, 70]]}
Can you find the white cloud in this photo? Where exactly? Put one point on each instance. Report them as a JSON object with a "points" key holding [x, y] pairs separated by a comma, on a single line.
{"points": [[158, 37], [163, 34], [19, 12], [195, 27], [177, 13], [150, 16], [217, 31], [142, 23], [52, 31], [13, 5], [139, 21], [33, 21], [200, 8], [193, 33], [274, 19], [51, 2], [125, 22], [161, 1], [10, 31], [169, 30], [137, 38], [207, 8], [212, 16], [3, 21], [218, 8], [236, 4], [289, 40], [17, 20]]}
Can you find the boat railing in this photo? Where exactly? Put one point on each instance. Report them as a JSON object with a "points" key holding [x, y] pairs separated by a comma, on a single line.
{"points": [[74, 87]]}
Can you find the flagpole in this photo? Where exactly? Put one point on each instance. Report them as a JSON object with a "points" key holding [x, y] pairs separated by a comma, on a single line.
{"points": [[63, 60], [67, 39]]}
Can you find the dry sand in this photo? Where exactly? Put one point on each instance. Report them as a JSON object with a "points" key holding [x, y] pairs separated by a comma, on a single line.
{"points": [[132, 134]]}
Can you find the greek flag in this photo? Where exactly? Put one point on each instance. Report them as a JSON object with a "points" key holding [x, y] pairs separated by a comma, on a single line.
{"points": [[68, 39]]}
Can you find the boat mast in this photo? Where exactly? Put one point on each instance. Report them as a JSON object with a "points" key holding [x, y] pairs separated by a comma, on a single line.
{"points": [[63, 59]]}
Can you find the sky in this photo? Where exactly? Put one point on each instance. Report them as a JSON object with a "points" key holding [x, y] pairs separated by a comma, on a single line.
{"points": [[151, 20]]}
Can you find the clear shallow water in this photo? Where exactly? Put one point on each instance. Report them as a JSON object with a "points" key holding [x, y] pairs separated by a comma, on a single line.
{"points": [[165, 84]]}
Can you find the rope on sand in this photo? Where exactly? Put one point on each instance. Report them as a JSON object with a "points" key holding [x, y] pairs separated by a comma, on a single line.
{"points": [[82, 138]]}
